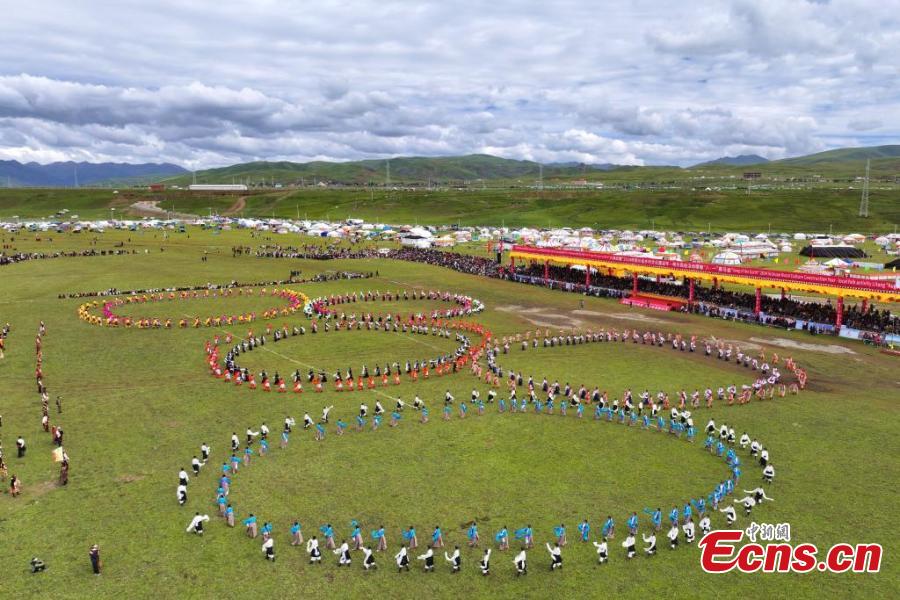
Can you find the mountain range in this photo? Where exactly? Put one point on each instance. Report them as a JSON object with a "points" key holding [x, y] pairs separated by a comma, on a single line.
{"points": [[445, 170], [736, 161], [839, 163], [72, 174]]}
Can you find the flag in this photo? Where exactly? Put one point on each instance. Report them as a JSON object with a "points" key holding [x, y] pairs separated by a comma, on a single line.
{"points": [[57, 454]]}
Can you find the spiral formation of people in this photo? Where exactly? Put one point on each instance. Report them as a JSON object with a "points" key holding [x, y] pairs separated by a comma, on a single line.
{"points": [[392, 422]]}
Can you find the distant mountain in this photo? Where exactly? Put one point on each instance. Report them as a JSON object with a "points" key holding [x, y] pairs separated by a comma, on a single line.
{"points": [[582, 166], [735, 161], [67, 174], [843, 163], [403, 170], [843, 155]]}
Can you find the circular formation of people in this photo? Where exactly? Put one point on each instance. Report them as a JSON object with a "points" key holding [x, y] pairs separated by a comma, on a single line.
{"points": [[292, 301], [643, 411], [663, 412]]}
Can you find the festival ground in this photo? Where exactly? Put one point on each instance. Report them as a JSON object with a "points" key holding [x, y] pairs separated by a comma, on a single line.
{"points": [[136, 405]]}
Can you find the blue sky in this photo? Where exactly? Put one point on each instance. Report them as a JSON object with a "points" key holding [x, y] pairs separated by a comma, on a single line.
{"points": [[204, 83]]}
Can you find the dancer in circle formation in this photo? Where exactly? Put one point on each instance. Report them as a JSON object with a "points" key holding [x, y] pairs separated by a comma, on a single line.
{"points": [[681, 518], [684, 519], [293, 301]]}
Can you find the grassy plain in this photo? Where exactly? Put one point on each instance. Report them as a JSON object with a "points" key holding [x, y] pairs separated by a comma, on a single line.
{"points": [[137, 405]]}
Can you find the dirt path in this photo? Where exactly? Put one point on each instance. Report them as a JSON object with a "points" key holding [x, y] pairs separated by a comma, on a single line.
{"points": [[150, 208], [235, 209]]}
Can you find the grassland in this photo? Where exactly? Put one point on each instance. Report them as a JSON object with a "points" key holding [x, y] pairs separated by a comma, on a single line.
{"points": [[137, 405], [816, 209]]}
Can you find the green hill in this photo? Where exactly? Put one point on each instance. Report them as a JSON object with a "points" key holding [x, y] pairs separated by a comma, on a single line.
{"points": [[843, 155], [840, 165], [402, 170]]}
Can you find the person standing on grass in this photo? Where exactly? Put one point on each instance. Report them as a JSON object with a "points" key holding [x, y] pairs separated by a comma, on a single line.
{"points": [[296, 534], [602, 551], [502, 538], [428, 557], [343, 552], [410, 536], [196, 524], [356, 535], [560, 533], [268, 549], [328, 532], [521, 562], [472, 534], [437, 538], [250, 525], [556, 561], [368, 558], [402, 559], [312, 548], [609, 528], [378, 534], [94, 555], [454, 559], [485, 563], [585, 529], [650, 540], [64, 471]]}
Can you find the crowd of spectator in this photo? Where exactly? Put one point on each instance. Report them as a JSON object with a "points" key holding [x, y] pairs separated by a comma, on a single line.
{"points": [[17, 257], [815, 317]]}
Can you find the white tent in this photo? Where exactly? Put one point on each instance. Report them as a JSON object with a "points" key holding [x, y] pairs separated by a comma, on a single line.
{"points": [[837, 263], [727, 258]]}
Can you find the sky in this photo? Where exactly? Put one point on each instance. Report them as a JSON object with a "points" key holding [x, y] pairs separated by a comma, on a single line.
{"points": [[645, 82]]}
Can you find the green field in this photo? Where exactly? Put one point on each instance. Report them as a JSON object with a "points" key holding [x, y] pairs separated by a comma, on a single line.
{"points": [[138, 404], [780, 210]]}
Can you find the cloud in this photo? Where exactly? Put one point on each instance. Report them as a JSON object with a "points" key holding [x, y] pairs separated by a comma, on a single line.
{"points": [[650, 82], [865, 125]]}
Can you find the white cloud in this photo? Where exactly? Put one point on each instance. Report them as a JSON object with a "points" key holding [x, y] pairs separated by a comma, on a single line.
{"points": [[650, 82]]}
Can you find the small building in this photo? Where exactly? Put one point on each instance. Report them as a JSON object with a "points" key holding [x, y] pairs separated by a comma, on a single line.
{"points": [[217, 187], [752, 175], [157, 187]]}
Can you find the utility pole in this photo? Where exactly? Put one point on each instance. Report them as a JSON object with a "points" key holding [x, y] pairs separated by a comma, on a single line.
{"points": [[864, 201]]}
